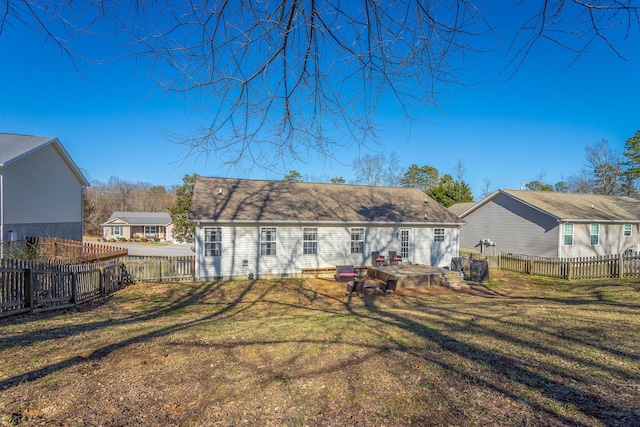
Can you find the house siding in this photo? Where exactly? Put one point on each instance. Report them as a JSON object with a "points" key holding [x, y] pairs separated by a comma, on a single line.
{"points": [[40, 191], [334, 248], [611, 240], [514, 228], [41, 188]]}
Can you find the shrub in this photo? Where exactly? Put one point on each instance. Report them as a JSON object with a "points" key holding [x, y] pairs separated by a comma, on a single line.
{"points": [[143, 239], [122, 239], [112, 240]]}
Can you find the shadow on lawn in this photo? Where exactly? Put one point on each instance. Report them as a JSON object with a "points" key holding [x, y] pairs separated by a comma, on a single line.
{"points": [[513, 370], [506, 369]]}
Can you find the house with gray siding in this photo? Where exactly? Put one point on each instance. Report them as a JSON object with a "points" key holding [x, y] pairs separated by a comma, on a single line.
{"points": [[41, 189], [550, 224], [259, 228]]}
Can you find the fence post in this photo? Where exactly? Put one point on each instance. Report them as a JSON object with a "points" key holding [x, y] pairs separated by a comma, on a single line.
{"points": [[621, 266], [28, 290], [74, 291], [160, 270], [569, 270]]}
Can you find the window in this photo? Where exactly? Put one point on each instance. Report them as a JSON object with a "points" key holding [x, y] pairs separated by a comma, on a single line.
{"points": [[438, 234], [310, 241], [568, 234], [595, 234], [150, 231], [267, 240], [212, 241], [357, 240], [627, 230], [116, 230]]}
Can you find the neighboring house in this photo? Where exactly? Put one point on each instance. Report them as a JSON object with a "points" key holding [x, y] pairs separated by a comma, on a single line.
{"points": [[551, 224], [461, 207], [254, 228], [138, 225], [41, 189]]}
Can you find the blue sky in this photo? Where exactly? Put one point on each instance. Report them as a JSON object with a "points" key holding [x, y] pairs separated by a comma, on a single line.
{"points": [[112, 121]]}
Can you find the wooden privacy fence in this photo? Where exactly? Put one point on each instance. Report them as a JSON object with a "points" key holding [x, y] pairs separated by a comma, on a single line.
{"points": [[159, 269], [28, 286], [610, 266], [75, 252]]}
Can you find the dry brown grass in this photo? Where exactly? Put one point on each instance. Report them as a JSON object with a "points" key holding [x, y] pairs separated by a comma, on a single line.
{"points": [[517, 352]]}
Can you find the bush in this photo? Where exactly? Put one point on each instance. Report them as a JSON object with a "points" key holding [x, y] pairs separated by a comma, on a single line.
{"points": [[143, 239], [122, 239], [112, 240]]}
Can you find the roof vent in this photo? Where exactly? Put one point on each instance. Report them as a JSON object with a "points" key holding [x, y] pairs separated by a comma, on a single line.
{"points": [[425, 216], [219, 190], [426, 200]]}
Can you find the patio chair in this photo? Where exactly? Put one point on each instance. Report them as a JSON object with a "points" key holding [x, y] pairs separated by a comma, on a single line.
{"points": [[344, 273], [356, 286], [376, 258], [389, 285], [394, 258]]}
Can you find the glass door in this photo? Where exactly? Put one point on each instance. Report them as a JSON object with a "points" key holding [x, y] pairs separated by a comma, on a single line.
{"points": [[405, 244]]}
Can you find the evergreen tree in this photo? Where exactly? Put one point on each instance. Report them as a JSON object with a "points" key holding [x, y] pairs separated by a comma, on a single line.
{"points": [[450, 191], [183, 229], [631, 164]]}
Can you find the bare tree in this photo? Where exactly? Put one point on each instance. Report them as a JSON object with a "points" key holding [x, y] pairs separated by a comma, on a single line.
{"points": [[286, 80], [486, 189], [605, 166], [370, 169]]}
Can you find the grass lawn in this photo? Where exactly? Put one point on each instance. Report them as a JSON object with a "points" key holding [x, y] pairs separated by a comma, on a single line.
{"points": [[523, 352]]}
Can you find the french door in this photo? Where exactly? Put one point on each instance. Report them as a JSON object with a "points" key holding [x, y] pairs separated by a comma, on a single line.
{"points": [[405, 244]]}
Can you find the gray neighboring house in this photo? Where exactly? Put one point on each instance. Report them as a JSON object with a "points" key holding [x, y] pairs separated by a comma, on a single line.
{"points": [[136, 225], [257, 228], [41, 189], [549, 224]]}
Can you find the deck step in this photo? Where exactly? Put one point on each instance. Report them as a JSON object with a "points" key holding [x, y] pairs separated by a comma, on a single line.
{"points": [[453, 280]]}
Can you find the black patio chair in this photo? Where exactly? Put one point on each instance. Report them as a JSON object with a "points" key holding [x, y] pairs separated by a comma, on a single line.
{"points": [[394, 258], [356, 286], [376, 258]]}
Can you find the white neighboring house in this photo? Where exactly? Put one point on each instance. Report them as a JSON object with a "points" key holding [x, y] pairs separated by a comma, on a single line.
{"points": [[256, 228], [137, 225], [41, 189]]}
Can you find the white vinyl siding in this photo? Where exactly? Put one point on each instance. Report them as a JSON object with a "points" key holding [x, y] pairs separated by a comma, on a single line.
{"points": [[239, 242]]}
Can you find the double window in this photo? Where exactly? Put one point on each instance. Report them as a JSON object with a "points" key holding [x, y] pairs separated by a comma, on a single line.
{"points": [[310, 241], [568, 234], [357, 240], [268, 241], [595, 234], [150, 231], [438, 234], [212, 241]]}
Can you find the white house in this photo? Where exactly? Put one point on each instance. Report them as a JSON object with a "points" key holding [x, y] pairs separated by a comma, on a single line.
{"points": [[257, 228], [550, 224], [138, 225], [41, 189]]}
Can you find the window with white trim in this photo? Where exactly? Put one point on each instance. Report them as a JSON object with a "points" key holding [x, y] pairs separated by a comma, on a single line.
{"points": [[568, 234], [438, 234], [627, 230], [150, 231], [268, 241], [595, 234], [117, 230], [212, 241], [357, 240], [310, 241]]}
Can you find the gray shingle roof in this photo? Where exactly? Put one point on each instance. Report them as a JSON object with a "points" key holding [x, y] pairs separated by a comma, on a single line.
{"points": [[461, 207], [244, 200], [587, 207], [13, 147], [140, 218]]}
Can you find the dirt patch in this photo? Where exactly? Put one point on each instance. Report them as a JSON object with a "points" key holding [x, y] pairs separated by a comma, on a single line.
{"points": [[336, 292]]}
